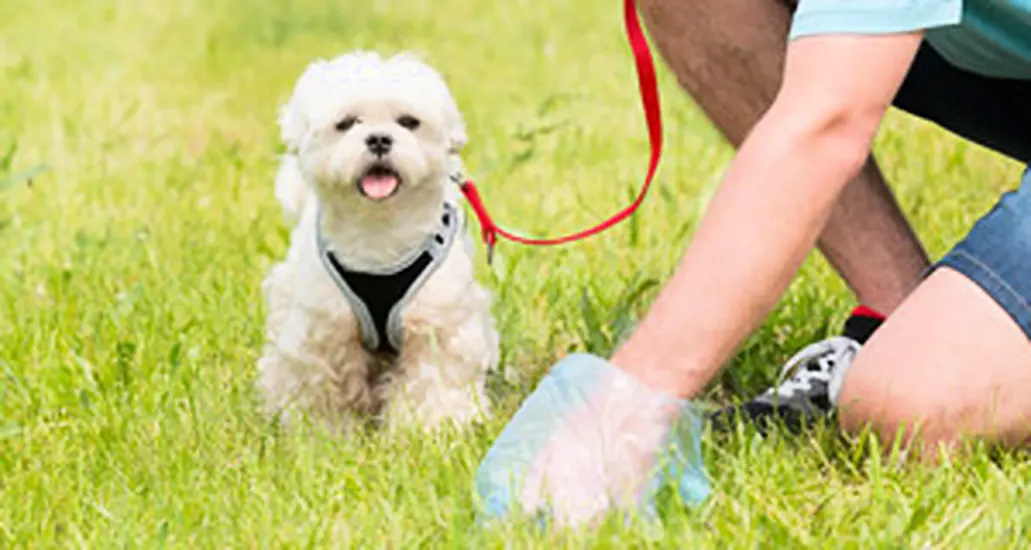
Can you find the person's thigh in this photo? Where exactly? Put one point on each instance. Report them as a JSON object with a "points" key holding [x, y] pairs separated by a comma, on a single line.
{"points": [[992, 112], [955, 357]]}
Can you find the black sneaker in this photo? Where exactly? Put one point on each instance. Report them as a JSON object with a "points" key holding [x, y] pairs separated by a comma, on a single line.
{"points": [[808, 383]]}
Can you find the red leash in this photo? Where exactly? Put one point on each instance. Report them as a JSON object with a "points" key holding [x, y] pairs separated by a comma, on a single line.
{"points": [[650, 100]]}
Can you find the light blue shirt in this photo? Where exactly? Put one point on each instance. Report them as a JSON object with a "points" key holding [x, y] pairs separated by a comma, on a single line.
{"points": [[988, 37]]}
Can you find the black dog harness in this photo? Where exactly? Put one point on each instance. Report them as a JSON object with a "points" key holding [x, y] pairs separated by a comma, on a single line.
{"points": [[378, 298]]}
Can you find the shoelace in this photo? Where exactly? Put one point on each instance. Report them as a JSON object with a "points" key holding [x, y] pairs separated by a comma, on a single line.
{"points": [[827, 353]]}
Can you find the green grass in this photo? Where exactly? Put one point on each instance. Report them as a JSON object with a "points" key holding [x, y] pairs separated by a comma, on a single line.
{"points": [[130, 313]]}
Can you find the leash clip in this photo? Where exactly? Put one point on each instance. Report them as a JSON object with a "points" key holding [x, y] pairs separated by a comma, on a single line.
{"points": [[488, 230], [457, 178], [491, 241]]}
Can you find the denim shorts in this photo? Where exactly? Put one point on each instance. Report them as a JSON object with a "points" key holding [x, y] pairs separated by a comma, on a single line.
{"points": [[995, 113]]}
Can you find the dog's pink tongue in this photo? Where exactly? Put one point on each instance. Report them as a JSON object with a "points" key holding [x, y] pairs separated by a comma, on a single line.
{"points": [[379, 186]]}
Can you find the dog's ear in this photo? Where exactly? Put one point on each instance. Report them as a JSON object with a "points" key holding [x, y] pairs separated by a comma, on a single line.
{"points": [[294, 122], [292, 127], [454, 164], [456, 133], [291, 190], [453, 122]]}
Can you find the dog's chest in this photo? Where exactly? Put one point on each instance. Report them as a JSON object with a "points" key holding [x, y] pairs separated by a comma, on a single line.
{"points": [[379, 297]]}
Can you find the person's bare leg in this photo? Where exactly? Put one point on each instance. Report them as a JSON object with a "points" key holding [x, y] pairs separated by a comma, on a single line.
{"points": [[728, 55], [967, 369], [871, 245]]}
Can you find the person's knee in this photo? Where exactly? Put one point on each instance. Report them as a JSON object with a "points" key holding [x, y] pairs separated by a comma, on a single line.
{"points": [[871, 401], [949, 363]]}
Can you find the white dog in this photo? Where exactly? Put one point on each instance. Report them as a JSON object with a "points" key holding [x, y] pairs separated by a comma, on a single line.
{"points": [[375, 312]]}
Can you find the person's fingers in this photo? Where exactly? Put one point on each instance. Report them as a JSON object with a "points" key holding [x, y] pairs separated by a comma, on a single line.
{"points": [[586, 441], [568, 467]]}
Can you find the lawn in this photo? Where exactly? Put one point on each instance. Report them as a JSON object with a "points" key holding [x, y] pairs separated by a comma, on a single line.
{"points": [[131, 318]]}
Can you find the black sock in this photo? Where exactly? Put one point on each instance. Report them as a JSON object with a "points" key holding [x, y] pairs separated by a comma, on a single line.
{"points": [[862, 324]]}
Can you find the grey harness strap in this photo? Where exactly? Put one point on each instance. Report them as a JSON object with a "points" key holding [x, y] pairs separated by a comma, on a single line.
{"points": [[378, 298]]}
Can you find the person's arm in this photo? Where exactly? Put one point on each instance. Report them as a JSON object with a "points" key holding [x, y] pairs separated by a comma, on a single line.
{"points": [[770, 208]]}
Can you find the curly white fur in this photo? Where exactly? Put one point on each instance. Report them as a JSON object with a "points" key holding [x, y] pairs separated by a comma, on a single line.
{"points": [[313, 362]]}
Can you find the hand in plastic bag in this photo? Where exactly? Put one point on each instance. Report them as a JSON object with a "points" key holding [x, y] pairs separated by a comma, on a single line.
{"points": [[592, 438]]}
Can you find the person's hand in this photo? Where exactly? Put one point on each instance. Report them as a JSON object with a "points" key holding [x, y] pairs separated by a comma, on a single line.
{"points": [[591, 439]]}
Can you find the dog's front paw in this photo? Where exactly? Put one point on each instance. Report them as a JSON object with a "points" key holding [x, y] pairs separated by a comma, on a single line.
{"points": [[432, 405]]}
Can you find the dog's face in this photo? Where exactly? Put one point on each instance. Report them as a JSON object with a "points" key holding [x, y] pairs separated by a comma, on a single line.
{"points": [[371, 129]]}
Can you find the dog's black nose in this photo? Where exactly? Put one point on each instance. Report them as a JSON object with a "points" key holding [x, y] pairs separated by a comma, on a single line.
{"points": [[379, 144]]}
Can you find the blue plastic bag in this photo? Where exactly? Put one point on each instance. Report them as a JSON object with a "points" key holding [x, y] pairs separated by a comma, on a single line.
{"points": [[585, 396]]}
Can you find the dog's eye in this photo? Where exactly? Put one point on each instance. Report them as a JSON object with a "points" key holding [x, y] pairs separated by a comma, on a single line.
{"points": [[346, 124], [408, 122]]}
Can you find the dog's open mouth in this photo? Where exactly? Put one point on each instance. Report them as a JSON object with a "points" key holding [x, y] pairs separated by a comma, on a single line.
{"points": [[379, 182]]}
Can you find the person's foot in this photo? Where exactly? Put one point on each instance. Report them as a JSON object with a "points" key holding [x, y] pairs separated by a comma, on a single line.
{"points": [[803, 392]]}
